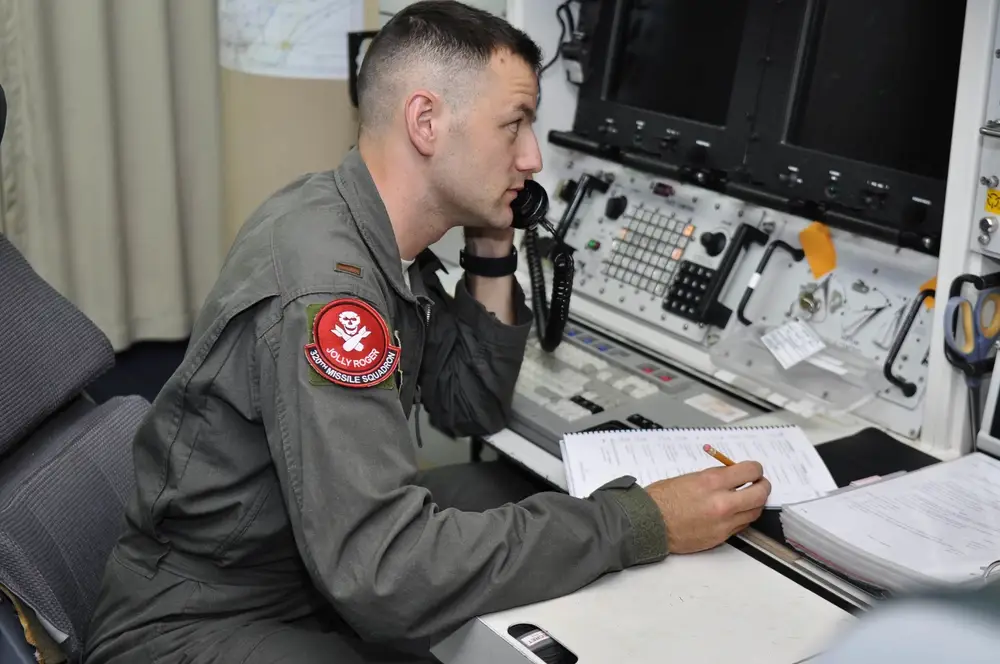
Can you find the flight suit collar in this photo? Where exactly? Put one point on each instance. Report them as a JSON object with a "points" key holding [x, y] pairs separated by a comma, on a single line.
{"points": [[358, 189]]}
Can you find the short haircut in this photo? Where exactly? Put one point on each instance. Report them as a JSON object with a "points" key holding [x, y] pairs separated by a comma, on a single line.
{"points": [[445, 35]]}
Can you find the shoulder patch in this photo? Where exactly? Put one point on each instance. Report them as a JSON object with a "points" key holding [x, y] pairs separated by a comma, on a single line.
{"points": [[351, 345]]}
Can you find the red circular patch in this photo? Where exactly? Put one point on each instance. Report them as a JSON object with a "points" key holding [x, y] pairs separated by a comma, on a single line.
{"points": [[351, 344]]}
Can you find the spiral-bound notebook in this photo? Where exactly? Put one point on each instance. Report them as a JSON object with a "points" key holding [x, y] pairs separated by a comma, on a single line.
{"points": [[790, 461]]}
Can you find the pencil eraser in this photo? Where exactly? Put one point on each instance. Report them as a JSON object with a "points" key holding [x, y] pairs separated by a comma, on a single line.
{"points": [[707, 448]]}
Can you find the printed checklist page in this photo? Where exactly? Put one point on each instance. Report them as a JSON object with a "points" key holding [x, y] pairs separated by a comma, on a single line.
{"points": [[939, 523], [790, 461]]}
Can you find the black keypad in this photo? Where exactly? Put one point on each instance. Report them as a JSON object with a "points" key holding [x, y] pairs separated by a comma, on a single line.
{"points": [[642, 422], [688, 289], [588, 404]]}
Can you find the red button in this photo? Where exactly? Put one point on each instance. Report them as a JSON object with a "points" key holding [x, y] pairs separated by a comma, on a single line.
{"points": [[665, 378], [648, 369]]}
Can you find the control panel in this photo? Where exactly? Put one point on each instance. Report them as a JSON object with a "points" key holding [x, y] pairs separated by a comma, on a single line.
{"points": [[700, 268], [663, 252], [592, 381], [985, 237]]}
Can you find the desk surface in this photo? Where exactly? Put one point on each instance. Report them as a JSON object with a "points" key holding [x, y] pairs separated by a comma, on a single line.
{"points": [[716, 606], [720, 605]]}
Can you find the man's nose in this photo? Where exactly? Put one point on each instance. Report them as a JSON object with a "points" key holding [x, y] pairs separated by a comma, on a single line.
{"points": [[530, 158]]}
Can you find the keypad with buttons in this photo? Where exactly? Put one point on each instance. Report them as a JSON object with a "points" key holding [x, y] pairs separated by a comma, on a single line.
{"points": [[643, 422], [688, 291], [648, 249]]}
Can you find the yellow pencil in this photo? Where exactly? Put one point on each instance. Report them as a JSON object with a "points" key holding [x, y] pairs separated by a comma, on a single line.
{"points": [[722, 458]]}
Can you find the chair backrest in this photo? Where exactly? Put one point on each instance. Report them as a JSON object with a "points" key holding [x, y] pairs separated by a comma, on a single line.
{"points": [[65, 462]]}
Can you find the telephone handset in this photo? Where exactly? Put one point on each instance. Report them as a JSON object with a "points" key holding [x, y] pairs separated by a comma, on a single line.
{"points": [[530, 207]]}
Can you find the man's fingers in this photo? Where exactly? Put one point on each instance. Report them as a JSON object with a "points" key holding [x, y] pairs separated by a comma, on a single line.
{"points": [[752, 497], [741, 520], [739, 474]]}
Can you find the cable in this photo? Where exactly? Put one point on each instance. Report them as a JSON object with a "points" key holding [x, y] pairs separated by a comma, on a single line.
{"points": [[566, 25], [569, 25], [550, 323]]}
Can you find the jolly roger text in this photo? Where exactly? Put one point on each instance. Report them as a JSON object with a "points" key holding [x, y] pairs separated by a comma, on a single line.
{"points": [[349, 363]]}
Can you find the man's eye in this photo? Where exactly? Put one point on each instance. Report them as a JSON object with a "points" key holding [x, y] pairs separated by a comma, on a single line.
{"points": [[514, 126]]}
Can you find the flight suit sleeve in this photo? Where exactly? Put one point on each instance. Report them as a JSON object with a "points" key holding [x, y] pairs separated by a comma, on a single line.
{"points": [[392, 563], [471, 361]]}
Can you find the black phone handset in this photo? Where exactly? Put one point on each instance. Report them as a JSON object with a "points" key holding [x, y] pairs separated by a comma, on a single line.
{"points": [[530, 208]]}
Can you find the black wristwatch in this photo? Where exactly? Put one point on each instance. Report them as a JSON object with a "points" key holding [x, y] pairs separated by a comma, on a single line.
{"points": [[482, 266]]}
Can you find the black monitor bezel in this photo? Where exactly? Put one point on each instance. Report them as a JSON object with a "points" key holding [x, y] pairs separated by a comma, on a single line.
{"points": [[671, 139], [906, 205], [749, 157]]}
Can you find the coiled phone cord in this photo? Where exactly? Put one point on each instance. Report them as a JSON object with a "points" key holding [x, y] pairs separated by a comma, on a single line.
{"points": [[549, 324]]}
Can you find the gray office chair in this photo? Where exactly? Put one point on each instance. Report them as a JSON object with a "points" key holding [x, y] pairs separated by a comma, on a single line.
{"points": [[65, 465]]}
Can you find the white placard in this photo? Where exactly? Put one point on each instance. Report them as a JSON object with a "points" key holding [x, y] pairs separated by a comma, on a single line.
{"points": [[716, 407], [792, 342]]}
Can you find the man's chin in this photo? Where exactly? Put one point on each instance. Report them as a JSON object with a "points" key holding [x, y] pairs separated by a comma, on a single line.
{"points": [[503, 218]]}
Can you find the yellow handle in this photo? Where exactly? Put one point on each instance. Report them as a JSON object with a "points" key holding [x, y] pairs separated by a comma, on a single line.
{"points": [[968, 338], [992, 328]]}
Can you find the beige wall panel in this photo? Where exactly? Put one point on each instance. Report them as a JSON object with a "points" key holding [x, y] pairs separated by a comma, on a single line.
{"points": [[275, 129]]}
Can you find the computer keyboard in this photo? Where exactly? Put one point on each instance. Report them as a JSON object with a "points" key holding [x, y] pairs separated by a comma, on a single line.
{"points": [[591, 382]]}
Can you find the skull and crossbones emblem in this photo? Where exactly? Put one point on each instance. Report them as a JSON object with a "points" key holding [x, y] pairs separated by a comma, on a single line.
{"points": [[351, 330]]}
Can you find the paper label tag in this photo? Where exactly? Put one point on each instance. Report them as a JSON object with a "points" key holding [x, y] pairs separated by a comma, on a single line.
{"points": [[716, 407], [725, 376], [793, 342], [532, 639], [778, 400]]}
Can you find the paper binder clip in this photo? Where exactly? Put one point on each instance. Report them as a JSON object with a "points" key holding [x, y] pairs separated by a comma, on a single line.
{"points": [[993, 569]]}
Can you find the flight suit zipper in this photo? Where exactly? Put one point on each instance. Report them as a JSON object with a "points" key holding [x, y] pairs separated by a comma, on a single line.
{"points": [[416, 391], [399, 344]]}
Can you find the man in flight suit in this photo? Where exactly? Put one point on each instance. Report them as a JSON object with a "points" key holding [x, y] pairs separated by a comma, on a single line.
{"points": [[278, 514]]}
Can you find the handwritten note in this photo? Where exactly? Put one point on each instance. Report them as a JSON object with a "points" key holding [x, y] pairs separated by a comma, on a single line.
{"points": [[790, 461]]}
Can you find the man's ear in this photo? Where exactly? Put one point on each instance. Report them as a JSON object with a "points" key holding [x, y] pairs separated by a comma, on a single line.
{"points": [[423, 120]]}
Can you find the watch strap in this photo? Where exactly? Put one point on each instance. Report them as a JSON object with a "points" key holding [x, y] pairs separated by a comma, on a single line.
{"points": [[483, 266]]}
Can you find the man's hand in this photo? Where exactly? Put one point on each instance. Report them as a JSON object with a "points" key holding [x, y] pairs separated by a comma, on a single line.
{"points": [[704, 509]]}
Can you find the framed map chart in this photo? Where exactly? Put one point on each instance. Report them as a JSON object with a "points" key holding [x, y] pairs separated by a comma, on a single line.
{"points": [[288, 38]]}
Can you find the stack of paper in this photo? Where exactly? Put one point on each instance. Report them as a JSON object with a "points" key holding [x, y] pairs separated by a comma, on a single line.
{"points": [[936, 526], [791, 464]]}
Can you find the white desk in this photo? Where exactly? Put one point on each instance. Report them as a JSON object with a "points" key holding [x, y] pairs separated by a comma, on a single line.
{"points": [[714, 607], [717, 606]]}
